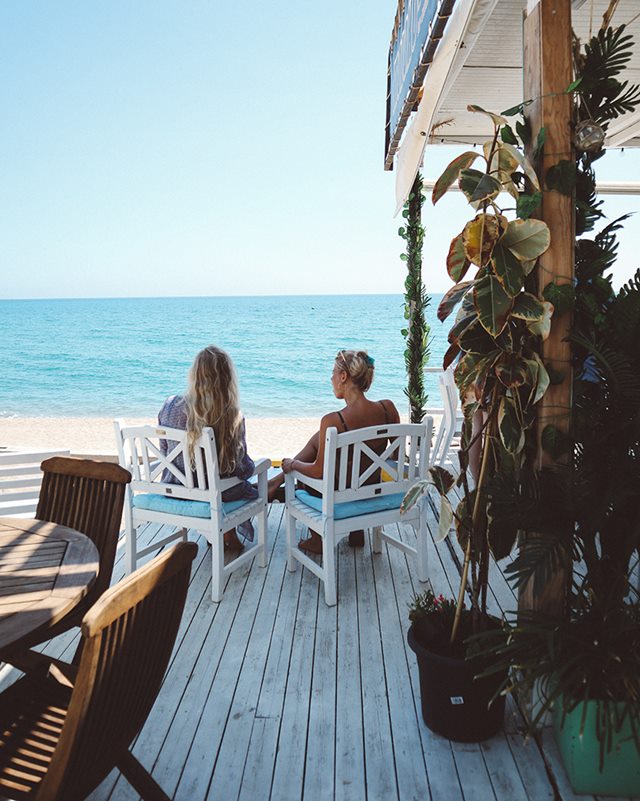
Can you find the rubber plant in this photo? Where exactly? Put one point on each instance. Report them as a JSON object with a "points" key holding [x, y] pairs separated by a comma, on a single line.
{"points": [[416, 333], [495, 338], [588, 510]]}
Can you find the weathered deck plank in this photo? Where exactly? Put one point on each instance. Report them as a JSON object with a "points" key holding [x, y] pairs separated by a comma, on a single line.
{"points": [[273, 696]]}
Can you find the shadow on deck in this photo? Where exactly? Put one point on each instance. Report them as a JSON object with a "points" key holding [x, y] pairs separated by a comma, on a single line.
{"points": [[273, 695]]}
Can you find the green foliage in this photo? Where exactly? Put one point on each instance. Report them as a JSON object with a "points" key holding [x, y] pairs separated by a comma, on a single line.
{"points": [[499, 374], [416, 332], [586, 512]]}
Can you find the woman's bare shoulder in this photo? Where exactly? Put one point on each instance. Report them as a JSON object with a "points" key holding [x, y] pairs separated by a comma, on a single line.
{"points": [[330, 419], [391, 410]]}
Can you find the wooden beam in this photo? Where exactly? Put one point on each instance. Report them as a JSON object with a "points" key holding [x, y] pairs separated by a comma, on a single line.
{"points": [[548, 71]]}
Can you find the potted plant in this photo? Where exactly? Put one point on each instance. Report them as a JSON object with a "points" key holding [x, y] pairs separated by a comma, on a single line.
{"points": [[585, 664], [496, 341]]}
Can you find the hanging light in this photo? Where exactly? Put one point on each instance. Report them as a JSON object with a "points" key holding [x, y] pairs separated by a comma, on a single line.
{"points": [[589, 136]]}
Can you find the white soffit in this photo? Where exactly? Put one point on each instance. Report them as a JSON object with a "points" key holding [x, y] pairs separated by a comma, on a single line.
{"points": [[479, 61]]}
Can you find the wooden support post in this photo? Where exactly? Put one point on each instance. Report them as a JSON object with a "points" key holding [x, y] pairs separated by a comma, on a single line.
{"points": [[547, 74]]}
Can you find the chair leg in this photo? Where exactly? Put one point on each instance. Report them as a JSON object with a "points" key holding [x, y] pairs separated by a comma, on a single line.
{"points": [[262, 538], [377, 539], [329, 569], [421, 547], [217, 567], [184, 534], [131, 557], [292, 563], [140, 779]]}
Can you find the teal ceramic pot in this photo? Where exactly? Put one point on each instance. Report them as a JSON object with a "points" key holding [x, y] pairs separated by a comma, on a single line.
{"points": [[620, 775]]}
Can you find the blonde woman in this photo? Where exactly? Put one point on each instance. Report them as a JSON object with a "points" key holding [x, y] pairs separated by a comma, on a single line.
{"points": [[211, 400], [352, 375]]}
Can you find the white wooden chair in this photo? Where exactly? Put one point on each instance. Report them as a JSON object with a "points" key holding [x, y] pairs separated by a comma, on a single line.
{"points": [[451, 419], [196, 502], [20, 480], [348, 502]]}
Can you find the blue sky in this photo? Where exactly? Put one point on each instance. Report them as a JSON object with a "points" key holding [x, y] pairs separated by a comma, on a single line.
{"points": [[208, 148]]}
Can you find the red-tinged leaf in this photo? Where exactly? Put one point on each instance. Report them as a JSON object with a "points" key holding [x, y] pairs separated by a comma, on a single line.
{"points": [[452, 298], [450, 175], [457, 261], [475, 339], [450, 356], [442, 479], [493, 304]]}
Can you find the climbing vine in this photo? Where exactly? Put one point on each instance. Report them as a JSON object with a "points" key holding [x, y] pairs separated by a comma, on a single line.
{"points": [[416, 333]]}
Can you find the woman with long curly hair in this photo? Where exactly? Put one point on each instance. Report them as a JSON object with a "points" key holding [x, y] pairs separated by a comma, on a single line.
{"points": [[212, 399]]}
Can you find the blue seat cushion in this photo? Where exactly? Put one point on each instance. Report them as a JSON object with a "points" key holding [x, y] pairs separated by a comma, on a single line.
{"points": [[180, 506], [381, 503]]}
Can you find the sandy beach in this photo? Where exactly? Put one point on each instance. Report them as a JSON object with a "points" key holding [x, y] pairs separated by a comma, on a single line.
{"points": [[274, 437]]}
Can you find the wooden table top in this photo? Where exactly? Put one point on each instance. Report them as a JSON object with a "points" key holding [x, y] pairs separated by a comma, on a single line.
{"points": [[45, 569]]}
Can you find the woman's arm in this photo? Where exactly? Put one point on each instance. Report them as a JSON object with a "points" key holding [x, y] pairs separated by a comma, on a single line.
{"points": [[313, 469]]}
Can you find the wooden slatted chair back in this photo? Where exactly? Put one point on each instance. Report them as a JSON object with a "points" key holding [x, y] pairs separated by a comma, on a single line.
{"points": [[88, 496], [128, 637], [379, 460]]}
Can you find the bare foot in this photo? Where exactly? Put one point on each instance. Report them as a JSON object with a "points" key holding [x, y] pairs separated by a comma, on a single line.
{"points": [[312, 545], [273, 486]]}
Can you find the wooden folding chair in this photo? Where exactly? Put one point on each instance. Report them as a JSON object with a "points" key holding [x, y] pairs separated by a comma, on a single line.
{"points": [[63, 731], [88, 496]]}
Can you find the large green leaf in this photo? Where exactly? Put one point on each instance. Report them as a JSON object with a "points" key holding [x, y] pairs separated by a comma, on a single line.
{"points": [[503, 164], [478, 186], [493, 304], [508, 269], [462, 322], [466, 371], [525, 164], [543, 327], [501, 534], [527, 239], [446, 519], [563, 297], [510, 426], [457, 261], [413, 495], [480, 236], [452, 298], [474, 339], [542, 379], [512, 370], [450, 175], [527, 307]]}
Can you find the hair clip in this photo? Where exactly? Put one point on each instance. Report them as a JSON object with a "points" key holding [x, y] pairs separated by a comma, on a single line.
{"points": [[370, 361]]}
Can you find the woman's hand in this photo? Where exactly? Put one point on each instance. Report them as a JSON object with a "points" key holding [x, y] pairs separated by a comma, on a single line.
{"points": [[287, 465]]}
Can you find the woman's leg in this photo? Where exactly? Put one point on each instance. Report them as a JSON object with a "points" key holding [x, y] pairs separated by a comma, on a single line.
{"points": [[307, 454]]}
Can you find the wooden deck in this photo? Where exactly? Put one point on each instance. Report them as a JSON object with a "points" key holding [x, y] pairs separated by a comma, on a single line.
{"points": [[272, 695]]}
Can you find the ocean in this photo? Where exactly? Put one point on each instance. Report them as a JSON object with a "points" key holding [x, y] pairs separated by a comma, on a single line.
{"points": [[123, 356]]}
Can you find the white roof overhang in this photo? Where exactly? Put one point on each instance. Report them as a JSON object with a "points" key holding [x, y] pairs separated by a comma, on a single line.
{"points": [[479, 60]]}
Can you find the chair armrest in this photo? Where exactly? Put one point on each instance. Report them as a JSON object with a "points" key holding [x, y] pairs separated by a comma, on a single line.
{"points": [[290, 483], [261, 466]]}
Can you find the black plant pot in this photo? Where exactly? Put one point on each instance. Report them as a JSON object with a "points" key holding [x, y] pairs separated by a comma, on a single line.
{"points": [[453, 704]]}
